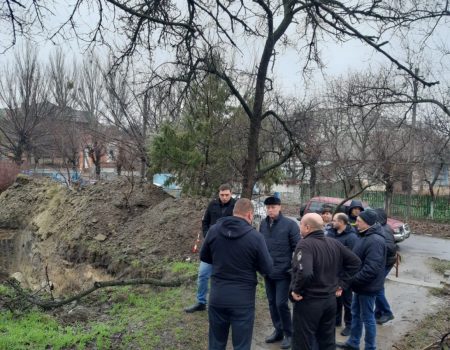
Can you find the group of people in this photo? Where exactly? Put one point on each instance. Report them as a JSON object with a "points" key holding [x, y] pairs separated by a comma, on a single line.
{"points": [[331, 266]]}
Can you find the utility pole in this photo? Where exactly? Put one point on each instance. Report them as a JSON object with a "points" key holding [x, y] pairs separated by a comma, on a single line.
{"points": [[413, 145]]}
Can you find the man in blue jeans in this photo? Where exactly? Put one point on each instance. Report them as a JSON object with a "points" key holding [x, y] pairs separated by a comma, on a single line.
{"points": [[217, 208], [236, 251], [383, 312], [368, 282]]}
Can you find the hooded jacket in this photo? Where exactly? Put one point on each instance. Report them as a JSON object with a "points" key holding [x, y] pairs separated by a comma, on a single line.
{"points": [[388, 234], [371, 249], [216, 210], [281, 238], [236, 251], [354, 204], [348, 237]]}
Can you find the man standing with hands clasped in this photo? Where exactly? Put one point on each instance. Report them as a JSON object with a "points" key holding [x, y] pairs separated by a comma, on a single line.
{"points": [[281, 235], [321, 268]]}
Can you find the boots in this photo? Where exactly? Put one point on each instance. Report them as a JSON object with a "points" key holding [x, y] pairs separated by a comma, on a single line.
{"points": [[195, 307]]}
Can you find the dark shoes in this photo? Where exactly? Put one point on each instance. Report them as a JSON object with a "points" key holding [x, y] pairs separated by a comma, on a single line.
{"points": [[345, 332], [345, 346], [274, 337], [385, 318], [195, 307], [286, 343]]}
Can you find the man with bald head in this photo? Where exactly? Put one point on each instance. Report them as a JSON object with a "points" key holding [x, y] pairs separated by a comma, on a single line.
{"points": [[236, 251], [321, 268]]}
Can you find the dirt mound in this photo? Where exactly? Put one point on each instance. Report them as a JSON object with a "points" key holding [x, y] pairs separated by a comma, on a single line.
{"points": [[117, 227]]}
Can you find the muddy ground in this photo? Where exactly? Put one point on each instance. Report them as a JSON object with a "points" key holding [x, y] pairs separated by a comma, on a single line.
{"points": [[116, 229]]}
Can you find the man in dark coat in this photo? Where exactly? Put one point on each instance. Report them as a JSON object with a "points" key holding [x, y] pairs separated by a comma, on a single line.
{"points": [[383, 312], [217, 208], [236, 251], [354, 209], [321, 267], [345, 234], [281, 235], [367, 283]]}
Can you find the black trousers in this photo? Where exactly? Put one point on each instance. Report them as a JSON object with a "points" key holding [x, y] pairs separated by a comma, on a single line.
{"points": [[241, 322], [344, 301], [314, 324], [277, 292]]}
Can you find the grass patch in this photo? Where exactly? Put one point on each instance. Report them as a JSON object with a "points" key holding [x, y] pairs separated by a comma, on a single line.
{"points": [[119, 318], [440, 265], [428, 331]]}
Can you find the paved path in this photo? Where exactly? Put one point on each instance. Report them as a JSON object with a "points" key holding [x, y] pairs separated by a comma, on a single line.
{"points": [[408, 296]]}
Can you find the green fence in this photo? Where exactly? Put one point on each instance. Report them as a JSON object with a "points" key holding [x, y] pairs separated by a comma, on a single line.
{"points": [[420, 204]]}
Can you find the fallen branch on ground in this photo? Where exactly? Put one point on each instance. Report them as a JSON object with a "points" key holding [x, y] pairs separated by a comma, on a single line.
{"points": [[53, 304]]}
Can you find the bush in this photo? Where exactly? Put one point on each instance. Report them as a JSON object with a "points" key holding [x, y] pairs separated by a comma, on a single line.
{"points": [[8, 174]]}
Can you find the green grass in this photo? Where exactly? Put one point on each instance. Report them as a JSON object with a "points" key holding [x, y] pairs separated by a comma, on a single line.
{"points": [[123, 318], [440, 265], [36, 330]]}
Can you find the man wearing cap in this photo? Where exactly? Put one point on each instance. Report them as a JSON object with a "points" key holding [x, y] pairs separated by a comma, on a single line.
{"points": [[281, 235], [368, 282]]}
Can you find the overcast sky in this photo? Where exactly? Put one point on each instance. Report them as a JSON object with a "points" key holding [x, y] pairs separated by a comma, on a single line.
{"points": [[339, 58]]}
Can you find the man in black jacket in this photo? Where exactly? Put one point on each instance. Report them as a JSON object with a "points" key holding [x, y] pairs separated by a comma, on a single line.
{"points": [[345, 234], [236, 251], [217, 208], [321, 267], [367, 283], [383, 312], [281, 235], [354, 209]]}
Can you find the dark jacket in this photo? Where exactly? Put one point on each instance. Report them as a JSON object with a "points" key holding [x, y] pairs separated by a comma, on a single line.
{"points": [[216, 210], [321, 264], [371, 249], [354, 204], [348, 237], [236, 251], [388, 234], [281, 239]]}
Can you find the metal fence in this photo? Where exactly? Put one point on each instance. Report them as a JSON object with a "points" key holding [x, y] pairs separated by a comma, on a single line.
{"points": [[421, 205]]}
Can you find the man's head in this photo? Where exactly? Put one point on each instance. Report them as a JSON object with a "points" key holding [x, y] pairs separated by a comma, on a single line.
{"points": [[340, 221], [273, 207], [355, 211], [310, 222], [244, 209], [225, 193], [366, 219], [326, 214]]}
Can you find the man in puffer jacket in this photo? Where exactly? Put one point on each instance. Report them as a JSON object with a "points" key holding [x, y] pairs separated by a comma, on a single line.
{"points": [[368, 282], [383, 311]]}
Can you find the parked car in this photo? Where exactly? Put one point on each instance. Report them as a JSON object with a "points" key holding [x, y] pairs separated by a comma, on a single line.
{"points": [[315, 204]]}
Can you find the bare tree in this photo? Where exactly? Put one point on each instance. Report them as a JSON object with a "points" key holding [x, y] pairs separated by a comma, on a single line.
{"points": [[24, 91], [89, 98]]}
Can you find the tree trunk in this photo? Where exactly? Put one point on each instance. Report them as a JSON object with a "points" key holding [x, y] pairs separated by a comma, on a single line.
{"points": [[389, 189], [313, 180], [248, 181]]}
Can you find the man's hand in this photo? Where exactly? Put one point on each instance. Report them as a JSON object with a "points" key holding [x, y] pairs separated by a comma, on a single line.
{"points": [[296, 297], [339, 292]]}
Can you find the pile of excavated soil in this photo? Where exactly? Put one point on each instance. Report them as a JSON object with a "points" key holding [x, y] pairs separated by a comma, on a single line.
{"points": [[113, 227]]}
